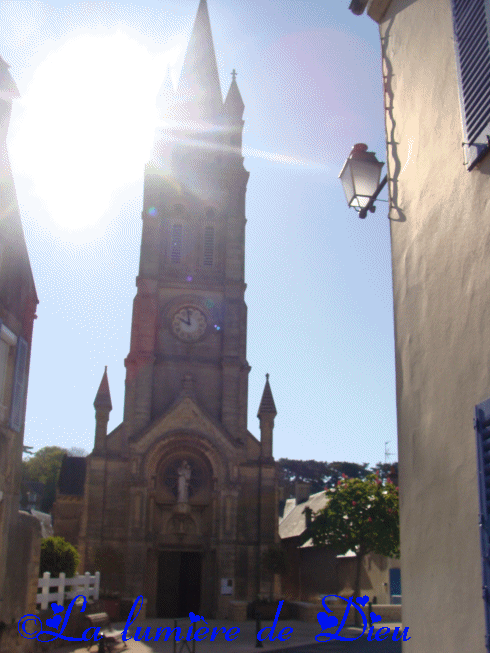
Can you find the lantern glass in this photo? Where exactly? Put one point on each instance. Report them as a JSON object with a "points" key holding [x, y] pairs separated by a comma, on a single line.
{"points": [[347, 182], [360, 176]]}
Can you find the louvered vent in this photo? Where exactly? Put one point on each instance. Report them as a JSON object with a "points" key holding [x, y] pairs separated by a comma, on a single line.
{"points": [[176, 244], [471, 28], [208, 246]]}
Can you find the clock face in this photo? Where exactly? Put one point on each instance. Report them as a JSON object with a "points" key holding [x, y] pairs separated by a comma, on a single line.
{"points": [[189, 324]]}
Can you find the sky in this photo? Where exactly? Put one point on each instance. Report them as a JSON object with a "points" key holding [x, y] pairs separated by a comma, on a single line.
{"points": [[319, 286]]}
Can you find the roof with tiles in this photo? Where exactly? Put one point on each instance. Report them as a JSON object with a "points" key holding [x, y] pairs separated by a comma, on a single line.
{"points": [[293, 524]]}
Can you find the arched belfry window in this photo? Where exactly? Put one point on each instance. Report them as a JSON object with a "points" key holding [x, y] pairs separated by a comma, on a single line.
{"points": [[176, 244], [208, 246]]}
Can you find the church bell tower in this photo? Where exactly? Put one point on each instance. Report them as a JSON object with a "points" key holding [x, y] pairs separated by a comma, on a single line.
{"points": [[180, 500], [189, 316]]}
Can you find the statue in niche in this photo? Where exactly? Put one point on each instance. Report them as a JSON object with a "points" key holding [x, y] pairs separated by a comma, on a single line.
{"points": [[184, 472]]}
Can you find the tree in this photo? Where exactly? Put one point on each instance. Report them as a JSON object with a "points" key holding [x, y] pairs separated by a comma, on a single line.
{"points": [[387, 471], [338, 470], [58, 555], [361, 516], [304, 471], [76, 452], [44, 467], [318, 474]]}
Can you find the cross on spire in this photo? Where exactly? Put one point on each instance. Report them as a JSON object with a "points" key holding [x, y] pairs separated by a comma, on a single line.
{"points": [[234, 74]]}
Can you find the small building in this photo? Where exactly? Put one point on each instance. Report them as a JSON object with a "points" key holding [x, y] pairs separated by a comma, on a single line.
{"points": [[313, 572]]}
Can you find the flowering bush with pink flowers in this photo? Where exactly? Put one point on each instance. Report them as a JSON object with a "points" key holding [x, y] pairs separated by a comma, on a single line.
{"points": [[361, 516]]}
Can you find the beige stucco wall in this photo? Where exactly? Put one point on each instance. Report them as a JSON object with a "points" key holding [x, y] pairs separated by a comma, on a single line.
{"points": [[440, 229], [375, 576]]}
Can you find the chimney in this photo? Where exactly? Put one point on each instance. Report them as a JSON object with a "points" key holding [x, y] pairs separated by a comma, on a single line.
{"points": [[301, 491]]}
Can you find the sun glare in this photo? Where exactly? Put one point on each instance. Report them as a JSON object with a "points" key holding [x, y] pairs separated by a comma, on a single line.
{"points": [[86, 124]]}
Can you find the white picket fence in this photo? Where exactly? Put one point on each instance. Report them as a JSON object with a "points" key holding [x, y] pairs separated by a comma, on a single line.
{"points": [[87, 585]]}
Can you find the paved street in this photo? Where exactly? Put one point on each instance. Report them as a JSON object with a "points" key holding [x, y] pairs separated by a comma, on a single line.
{"points": [[357, 646], [302, 640]]}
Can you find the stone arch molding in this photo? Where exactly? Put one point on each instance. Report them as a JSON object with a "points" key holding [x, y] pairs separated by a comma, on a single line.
{"points": [[185, 441], [185, 421]]}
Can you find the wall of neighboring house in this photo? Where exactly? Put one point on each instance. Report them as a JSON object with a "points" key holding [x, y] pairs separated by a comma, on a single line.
{"points": [[311, 572], [375, 576], [440, 233], [67, 517], [19, 589], [19, 532]]}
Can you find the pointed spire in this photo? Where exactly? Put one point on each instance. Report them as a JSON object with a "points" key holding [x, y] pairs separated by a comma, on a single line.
{"points": [[199, 87], [267, 405], [8, 88], [234, 104], [166, 96], [103, 396]]}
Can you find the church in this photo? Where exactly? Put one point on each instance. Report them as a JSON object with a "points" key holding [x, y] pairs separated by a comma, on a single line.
{"points": [[179, 502]]}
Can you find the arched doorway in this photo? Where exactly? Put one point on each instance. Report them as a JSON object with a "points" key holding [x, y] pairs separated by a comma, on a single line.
{"points": [[179, 583], [181, 528]]}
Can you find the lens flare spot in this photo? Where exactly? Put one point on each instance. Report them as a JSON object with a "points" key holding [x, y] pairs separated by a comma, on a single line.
{"points": [[209, 303], [189, 278], [152, 211]]}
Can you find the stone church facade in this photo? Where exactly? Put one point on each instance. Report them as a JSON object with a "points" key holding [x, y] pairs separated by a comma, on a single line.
{"points": [[179, 502]]}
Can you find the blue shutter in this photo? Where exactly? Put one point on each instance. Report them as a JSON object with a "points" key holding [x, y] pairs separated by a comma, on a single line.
{"points": [[395, 586], [19, 387], [482, 428], [472, 42]]}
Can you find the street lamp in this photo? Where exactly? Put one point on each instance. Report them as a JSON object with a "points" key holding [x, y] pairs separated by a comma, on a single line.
{"points": [[360, 179]]}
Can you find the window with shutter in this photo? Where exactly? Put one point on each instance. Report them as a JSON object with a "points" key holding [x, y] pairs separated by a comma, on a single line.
{"points": [[176, 244], [482, 428], [208, 246], [4, 358], [18, 390], [471, 20], [8, 340]]}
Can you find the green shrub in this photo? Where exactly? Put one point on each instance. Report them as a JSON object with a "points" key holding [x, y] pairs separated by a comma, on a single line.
{"points": [[58, 555]]}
